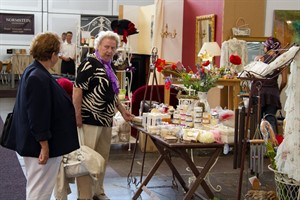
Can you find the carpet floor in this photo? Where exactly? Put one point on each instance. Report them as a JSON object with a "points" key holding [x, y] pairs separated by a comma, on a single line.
{"points": [[12, 179]]}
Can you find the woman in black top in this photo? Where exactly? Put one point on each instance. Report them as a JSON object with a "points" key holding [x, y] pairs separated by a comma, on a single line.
{"points": [[270, 90]]}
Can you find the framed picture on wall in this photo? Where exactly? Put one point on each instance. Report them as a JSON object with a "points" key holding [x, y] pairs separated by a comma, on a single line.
{"points": [[286, 26]]}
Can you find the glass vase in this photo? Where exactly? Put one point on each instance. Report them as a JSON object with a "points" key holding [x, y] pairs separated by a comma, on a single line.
{"points": [[203, 99]]}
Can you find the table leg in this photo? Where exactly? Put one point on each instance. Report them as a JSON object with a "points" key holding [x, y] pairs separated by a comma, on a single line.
{"points": [[201, 175], [149, 176], [236, 97], [165, 152], [130, 178], [230, 97], [143, 162]]}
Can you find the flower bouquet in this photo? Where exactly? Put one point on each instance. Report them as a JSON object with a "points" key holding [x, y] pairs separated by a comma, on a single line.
{"points": [[202, 81], [169, 68]]}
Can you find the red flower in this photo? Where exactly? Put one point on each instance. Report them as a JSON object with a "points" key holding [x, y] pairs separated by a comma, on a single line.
{"points": [[202, 70], [279, 138], [235, 59], [160, 64], [206, 63], [174, 67]]}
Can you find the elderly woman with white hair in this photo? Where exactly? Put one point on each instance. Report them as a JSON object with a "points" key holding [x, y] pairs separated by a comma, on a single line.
{"points": [[95, 97]]}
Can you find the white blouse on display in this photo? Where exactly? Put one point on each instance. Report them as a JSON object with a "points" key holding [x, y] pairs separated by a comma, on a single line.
{"points": [[234, 47]]}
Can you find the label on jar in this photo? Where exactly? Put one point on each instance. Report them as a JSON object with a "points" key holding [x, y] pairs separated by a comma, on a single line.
{"points": [[205, 121], [197, 125], [198, 109], [197, 115], [198, 120], [189, 124], [190, 118], [206, 115]]}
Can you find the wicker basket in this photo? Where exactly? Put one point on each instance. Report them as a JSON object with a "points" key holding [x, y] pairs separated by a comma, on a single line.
{"points": [[241, 28], [286, 188], [261, 195]]}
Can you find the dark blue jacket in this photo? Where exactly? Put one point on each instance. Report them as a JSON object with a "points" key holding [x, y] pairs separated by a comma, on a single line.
{"points": [[43, 111]]}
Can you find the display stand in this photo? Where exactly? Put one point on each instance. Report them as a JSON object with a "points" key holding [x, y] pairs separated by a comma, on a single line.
{"points": [[246, 122], [84, 37], [247, 118], [152, 69]]}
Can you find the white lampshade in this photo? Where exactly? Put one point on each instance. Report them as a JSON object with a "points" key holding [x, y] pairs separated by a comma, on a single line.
{"points": [[209, 50]]}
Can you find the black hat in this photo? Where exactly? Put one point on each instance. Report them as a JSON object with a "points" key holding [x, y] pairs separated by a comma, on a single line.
{"points": [[123, 27]]}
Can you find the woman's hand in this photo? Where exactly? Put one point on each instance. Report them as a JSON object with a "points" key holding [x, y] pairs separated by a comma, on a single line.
{"points": [[127, 115], [259, 58], [44, 154], [79, 120], [77, 102]]}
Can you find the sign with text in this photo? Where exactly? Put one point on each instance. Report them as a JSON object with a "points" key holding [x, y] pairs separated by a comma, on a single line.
{"points": [[16, 24]]}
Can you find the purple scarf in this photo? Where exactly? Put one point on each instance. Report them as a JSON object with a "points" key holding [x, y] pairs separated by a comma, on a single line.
{"points": [[110, 73]]}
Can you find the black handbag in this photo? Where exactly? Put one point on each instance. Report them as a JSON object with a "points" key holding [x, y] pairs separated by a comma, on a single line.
{"points": [[6, 129], [280, 117]]}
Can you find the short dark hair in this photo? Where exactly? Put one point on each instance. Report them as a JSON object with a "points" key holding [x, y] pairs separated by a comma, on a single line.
{"points": [[70, 32]]}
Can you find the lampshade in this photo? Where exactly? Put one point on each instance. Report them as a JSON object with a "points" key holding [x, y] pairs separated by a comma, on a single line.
{"points": [[209, 50]]}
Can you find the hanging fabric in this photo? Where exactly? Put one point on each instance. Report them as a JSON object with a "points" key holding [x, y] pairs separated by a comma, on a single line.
{"points": [[234, 47], [287, 158]]}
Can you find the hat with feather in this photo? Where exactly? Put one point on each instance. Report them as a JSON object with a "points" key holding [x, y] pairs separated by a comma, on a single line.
{"points": [[124, 27]]}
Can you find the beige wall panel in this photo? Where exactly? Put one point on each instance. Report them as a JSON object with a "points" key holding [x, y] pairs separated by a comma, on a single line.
{"points": [[252, 11]]}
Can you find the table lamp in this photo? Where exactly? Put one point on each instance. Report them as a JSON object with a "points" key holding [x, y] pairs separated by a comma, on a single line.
{"points": [[208, 51]]}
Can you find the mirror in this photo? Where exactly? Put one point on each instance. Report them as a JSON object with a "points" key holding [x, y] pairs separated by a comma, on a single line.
{"points": [[205, 32], [254, 46]]}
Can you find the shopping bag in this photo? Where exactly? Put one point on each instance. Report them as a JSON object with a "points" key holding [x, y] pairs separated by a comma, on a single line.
{"points": [[83, 161], [5, 130]]}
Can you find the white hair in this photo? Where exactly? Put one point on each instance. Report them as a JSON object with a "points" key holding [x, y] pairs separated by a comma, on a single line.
{"points": [[106, 34]]}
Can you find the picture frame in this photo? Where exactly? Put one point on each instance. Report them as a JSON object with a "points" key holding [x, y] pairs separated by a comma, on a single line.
{"points": [[205, 32], [286, 27]]}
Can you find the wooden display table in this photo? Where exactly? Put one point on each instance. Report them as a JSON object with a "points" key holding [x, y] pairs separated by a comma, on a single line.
{"points": [[230, 94], [165, 148]]}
